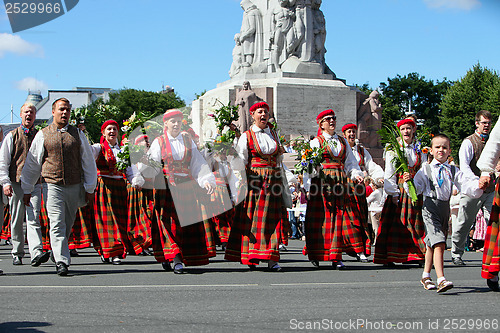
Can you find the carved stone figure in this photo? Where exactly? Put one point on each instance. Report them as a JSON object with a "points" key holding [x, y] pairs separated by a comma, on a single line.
{"points": [[237, 57], [319, 33], [370, 121], [304, 30], [245, 99], [283, 38], [251, 34]]}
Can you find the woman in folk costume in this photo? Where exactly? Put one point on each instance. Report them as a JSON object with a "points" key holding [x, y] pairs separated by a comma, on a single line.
{"points": [[258, 227], [332, 222], [370, 168], [111, 237], [178, 231], [400, 236], [491, 254]]}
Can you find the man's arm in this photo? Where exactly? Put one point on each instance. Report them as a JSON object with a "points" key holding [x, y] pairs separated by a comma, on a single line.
{"points": [[88, 165], [33, 165], [5, 160]]}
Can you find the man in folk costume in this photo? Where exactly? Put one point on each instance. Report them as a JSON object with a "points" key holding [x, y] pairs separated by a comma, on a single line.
{"points": [[111, 212], [178, 183], [12, 158], [400, 236], [332, 222], [258, 230], [487, 163], [469, 153], [370, 168], [61, 154]]}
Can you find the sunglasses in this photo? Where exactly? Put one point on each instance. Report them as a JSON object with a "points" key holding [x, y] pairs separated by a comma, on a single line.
{"points": [[329, 118]]}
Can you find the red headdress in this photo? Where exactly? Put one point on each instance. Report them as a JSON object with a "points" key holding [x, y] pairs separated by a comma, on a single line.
{"points": [[172, 113], [405, 122], [258, 106], [349, 126]]}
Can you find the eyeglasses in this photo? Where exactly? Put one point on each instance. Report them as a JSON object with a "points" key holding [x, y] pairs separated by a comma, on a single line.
{"points": [[485, 122], [329, 118]]}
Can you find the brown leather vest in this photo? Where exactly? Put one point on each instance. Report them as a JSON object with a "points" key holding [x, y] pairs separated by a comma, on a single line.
{"points": [[478, 146], [62, 164], [21, 144]]}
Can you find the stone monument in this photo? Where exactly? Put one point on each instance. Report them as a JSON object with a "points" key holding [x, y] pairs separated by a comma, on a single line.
{"points": [[280, 50]]}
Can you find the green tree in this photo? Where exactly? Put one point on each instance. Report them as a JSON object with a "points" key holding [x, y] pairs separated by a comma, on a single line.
{"points": [[124, 103], [413, 91], [478, 90]]}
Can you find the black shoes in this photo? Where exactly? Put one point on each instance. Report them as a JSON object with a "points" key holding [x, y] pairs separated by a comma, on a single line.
{"points": [[315, 263], [41, 258], [61, 268], [17, 261], [166, 266], [493, 285], [458, 261], [275, 268]]}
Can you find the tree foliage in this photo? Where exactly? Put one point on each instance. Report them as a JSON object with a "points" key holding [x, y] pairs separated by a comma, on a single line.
{"points": [[122, 104], [424, 97], [478, 90]]}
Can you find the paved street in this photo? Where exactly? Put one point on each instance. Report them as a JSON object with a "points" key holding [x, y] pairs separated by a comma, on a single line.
{"points": [[139, 296]]}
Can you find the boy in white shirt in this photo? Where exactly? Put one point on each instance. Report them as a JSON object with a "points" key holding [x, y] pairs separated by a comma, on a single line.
{"points": [[435, 181]]}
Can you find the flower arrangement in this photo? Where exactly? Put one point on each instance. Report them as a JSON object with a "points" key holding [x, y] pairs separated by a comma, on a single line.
{"points": [[391, 136], [225, 115], [309, 158], [77, 116]]}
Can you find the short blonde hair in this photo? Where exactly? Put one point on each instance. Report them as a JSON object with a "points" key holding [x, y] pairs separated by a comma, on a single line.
{"points": [[28, 105]]}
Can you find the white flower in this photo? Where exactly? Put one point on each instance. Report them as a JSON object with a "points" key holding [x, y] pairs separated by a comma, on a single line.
{"points": [[125, 128], [72, 122]]}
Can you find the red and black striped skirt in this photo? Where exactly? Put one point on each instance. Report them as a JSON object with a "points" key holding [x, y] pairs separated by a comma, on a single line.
{"points": [[491, 252]]}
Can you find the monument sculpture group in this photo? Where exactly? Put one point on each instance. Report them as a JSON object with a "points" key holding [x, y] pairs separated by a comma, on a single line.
{"points": [[279, 56]]}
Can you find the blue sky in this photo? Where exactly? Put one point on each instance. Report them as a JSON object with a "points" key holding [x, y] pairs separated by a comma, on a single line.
{"points": [[187, 44]]}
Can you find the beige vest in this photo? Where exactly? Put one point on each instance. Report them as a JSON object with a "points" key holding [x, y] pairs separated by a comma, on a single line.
{"points": [[21, 144], [62, 163]]}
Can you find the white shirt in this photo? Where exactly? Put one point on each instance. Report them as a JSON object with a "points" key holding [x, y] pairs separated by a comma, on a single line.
{"points": [[33, 166], [465, 184], [132, 173], [374, 170], [390, 180], [491, 152], [198, 166], [351, 166], [265, 140], [376, 200]]}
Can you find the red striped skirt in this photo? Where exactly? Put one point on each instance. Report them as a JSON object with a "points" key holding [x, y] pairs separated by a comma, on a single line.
{"points": [[139, 224], [45, 226], [332, 223], [170, 239], [5, 234], [81, 233], [491, 252], [258, 224], [225, 214], [401, 232], [110, 218]]}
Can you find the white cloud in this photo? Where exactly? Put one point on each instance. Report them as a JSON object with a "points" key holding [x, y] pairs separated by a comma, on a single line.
{"points": [[30, 83], [17, 45], [453, 4]]}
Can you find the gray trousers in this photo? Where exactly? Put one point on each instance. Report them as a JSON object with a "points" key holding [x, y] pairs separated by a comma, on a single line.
{"points": [[61, 202], [18, 212], [466, 217]]}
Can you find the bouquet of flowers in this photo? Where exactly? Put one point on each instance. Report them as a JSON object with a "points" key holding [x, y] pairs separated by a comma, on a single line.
{"points": [[391, 136], [309, 158], [225, 115]]}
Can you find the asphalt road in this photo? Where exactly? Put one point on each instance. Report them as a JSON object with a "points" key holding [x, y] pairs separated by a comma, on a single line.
{"points": [[138, 296]]}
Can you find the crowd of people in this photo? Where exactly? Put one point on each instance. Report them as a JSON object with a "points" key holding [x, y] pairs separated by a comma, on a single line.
{"points": [[180, 201]]}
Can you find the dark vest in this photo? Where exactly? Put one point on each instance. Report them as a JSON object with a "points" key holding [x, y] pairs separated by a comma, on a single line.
{"points": [[478, 146], [21, 144], [62, 163]]}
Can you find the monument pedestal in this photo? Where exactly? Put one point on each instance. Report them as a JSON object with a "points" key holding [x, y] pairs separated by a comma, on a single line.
{"points": [[294, 101]]}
